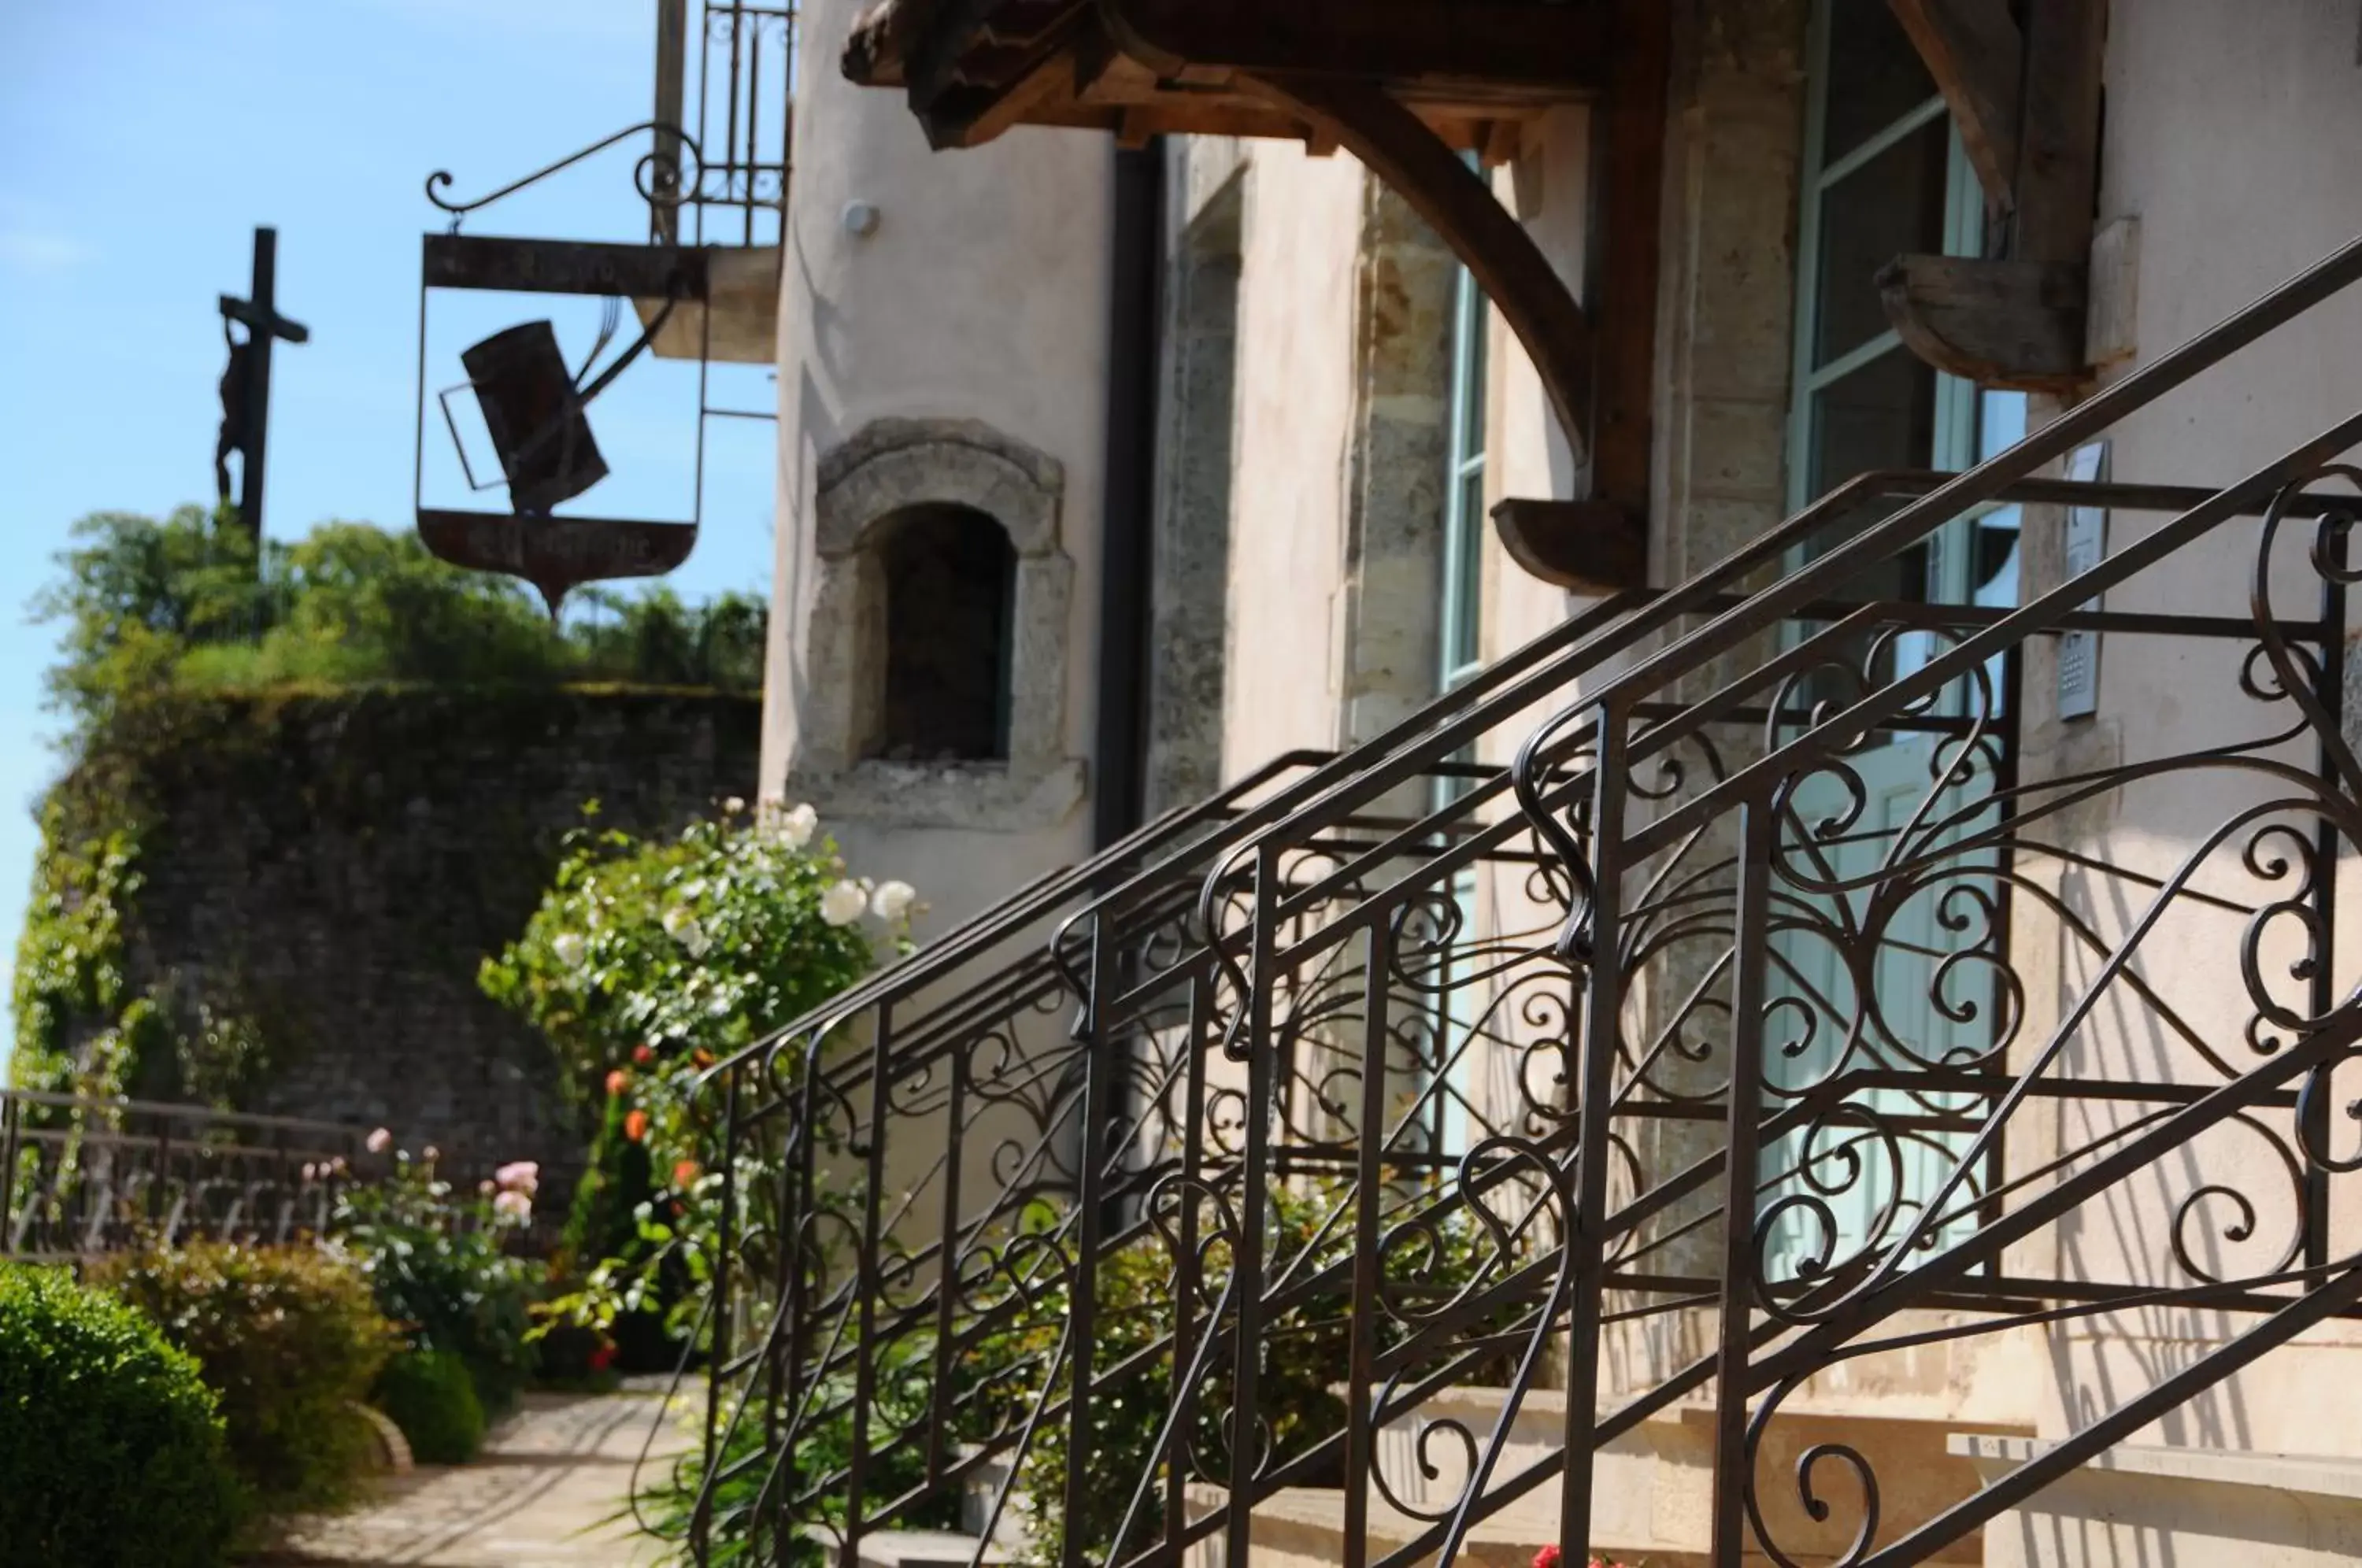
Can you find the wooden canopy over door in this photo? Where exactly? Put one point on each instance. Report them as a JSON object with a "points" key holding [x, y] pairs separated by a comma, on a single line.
{"points": [[1408, 87]]}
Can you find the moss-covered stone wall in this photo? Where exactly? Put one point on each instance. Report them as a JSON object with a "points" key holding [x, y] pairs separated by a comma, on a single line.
{"points": [[296, 891]]}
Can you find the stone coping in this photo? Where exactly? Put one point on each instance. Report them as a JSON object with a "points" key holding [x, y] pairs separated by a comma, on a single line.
{"points": [[2325, 1476], [914, 1548], [1322, 1509]]}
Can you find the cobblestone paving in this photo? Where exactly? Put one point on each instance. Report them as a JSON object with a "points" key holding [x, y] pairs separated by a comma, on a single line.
{"points": [[543, 1493]]}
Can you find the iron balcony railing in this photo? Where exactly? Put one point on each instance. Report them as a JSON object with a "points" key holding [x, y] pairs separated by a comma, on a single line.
{"points": [[81, 1176], [1694, 1043]]}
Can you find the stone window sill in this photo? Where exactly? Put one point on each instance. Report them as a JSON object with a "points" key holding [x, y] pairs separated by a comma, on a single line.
{"points": [[991, 796]]}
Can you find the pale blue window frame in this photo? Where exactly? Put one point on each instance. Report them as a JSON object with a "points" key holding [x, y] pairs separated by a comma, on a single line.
{"points": [[1970, 423], [1460, 643]]}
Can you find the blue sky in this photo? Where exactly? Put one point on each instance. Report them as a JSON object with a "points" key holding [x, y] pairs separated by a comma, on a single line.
{"points": [[148, 139]]}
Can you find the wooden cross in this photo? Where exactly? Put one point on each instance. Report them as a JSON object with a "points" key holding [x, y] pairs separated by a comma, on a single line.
{"points": [[246, 384]]}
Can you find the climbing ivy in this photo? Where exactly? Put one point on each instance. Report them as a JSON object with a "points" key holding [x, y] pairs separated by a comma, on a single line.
{"points": [[69, 961], [82, 1028]]}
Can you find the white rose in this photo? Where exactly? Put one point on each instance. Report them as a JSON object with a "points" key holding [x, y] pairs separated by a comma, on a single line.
{"points": [[843, 904], [570, 949], [892, 900], [680, 924], [797, 824], [733, 806]]}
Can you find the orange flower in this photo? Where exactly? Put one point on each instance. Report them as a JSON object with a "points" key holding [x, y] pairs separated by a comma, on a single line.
{"points": [[644, 1053], [636, 1125], [703, 1058], [684, 1173], [618, 1081]]}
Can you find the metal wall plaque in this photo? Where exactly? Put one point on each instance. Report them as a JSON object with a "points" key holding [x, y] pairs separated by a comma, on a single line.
{"points": [[556, 554], [2087, 547], [564, 267]]}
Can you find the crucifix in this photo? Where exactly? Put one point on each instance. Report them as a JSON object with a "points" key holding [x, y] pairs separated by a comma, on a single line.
{"points": [[246, 384]]}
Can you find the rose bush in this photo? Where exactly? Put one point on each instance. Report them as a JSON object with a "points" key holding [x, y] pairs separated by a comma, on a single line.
{"points": [[648, 962], [437, 1263], [698, 941]]}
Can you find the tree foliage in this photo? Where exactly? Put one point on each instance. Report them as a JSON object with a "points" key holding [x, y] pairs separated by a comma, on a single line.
{"points": [[146, 606]]}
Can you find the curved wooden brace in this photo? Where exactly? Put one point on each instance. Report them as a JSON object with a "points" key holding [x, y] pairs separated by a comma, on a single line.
{"points": [[1397, 147], [1999, 324]]}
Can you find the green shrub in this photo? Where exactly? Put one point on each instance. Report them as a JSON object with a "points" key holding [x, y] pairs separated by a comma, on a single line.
{"points": [[111, 1451], [576, 1360], [288, 1338], [1296, 1405], [738, 1533], [647, 951], [430, 1397]]}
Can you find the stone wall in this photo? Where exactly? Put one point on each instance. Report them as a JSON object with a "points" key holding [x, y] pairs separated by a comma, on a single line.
{"points": [[337, 867]]}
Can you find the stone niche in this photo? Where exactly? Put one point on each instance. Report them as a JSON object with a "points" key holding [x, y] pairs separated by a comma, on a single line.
{"points": [[905, 508]]}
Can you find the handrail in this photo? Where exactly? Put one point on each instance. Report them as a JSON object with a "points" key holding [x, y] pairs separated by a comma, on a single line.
{"points": [[56, 1099], [1654, 610], [2338, 271], [1339, 779], [1605, 676], [1028, 904]]}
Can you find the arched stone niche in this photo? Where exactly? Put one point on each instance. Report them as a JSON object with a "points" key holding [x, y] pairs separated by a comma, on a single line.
{"points": [[888, 471]]}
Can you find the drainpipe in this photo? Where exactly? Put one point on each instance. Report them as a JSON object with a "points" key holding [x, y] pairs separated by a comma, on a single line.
{"points": [[1135, 244]]}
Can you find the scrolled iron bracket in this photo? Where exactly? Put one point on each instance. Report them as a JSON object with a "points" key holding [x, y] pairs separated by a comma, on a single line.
{"points": [[643, 174]]}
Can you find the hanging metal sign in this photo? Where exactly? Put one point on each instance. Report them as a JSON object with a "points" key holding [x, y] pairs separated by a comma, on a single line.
{"points": [[534, 407]]}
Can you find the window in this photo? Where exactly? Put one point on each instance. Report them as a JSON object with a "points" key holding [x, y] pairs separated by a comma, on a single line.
{"points": [[950, 575], [934, 693], [1461, 622], [1461, 645], [1885, 175]]}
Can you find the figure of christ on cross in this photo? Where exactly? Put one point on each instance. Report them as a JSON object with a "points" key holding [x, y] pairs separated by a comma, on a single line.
{"points": [[246, 384]]}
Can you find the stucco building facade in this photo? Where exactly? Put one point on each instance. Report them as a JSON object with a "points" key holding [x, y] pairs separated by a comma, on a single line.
{"points": [[1234, 423]]}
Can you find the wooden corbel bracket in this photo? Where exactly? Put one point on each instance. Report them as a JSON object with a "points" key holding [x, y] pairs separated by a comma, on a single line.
{"points": [[1591, 548], [2027, 102], [1596, 380], [1594, 546], [1999, 324]]}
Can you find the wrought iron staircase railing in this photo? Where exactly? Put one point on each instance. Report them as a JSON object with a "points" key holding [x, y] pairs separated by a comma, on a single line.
{"points": [[1673, 1063]]}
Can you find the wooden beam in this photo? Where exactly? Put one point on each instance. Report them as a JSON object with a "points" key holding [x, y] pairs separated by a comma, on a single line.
{"points": [[1390, 41], [1628, 175], [1999, 324], [1592, 547], [1461, 207], [1977, 56], [968, 80], [2058, 157]]}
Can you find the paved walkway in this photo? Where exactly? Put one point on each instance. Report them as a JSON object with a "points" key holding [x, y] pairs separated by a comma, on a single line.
{"points": [[544, 1493]]}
